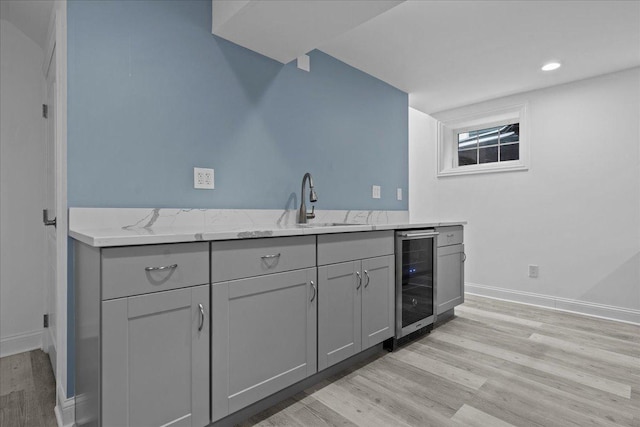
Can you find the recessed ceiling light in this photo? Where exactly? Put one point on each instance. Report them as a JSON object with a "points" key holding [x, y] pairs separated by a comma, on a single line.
{"points": [[551, 66]]}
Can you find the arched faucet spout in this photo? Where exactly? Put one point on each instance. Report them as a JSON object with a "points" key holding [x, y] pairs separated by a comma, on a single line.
{"points": [[303, 216]]}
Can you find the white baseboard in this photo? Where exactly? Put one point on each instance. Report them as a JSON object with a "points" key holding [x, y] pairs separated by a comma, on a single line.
{"points": [[602, 311], [65, 409], [20, 343]]}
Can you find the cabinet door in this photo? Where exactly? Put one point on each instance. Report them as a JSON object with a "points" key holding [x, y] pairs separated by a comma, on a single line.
{"points": [[450, 284], [378, 308], [155, 359], [339, 316], [263, 337]]}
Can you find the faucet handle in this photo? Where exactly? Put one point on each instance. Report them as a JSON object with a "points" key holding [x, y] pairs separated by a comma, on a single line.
{"points": [[312, 214]]}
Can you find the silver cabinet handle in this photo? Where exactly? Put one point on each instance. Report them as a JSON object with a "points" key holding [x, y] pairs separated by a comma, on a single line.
{"points": [[464, 257], [166, 267], [425, 234], [270, 256], [359, 280], [201, 308], [315, 290], [366, 273], [450, 235]]}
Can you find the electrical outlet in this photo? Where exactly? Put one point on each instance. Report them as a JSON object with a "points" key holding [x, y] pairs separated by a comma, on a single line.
{"points": [[534, 270], [375, 191], [203, 178], [399, 193]]}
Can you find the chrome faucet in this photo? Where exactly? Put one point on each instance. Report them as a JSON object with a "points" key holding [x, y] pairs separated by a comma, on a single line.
{"points": [[313, 197]]}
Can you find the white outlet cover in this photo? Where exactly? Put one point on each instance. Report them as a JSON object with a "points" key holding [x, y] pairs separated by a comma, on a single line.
{"points": [[399, 193], [203, 178], [375, 191], [534, 271], [304, 63]]}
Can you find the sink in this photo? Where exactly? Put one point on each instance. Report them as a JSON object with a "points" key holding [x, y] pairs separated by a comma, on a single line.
{"points": [[328, 224]]}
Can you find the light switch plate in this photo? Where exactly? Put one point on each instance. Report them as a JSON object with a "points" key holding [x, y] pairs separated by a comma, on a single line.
{"points": [[375, 191], [399, 193], [203, 178]]}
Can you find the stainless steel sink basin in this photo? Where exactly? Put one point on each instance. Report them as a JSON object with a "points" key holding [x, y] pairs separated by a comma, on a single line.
{"points": [[327, 224]]}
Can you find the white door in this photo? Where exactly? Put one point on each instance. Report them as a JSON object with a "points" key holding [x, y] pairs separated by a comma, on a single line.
{"points": [[50, 205]]}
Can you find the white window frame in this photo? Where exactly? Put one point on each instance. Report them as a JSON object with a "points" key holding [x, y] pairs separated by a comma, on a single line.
{"points": [[448, 141]]}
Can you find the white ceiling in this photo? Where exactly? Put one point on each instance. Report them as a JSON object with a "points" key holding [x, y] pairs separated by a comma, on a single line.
{"points": [[283, 29], [447, 54], [30, 16]]}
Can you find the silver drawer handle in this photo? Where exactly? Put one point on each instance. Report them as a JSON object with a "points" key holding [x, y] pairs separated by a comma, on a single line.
{"points": [[427, 234], [359, 280], [166, 267], [366, 273], [201, 308], [315, 290], [450, 235], [270, 256]]}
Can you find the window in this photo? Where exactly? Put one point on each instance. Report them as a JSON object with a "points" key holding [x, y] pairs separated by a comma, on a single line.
{"points": [[490, 145], [487, 142]]}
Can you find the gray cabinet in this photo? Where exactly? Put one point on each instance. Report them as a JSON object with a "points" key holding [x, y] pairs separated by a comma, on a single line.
{"points": [[450, 269], [340, 313], [263, 337], [356, 293], [155, 359], [378, 300], [356, 307], [142, 335]]}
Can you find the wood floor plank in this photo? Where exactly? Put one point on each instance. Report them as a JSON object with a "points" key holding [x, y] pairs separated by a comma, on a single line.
{"points": [[13, 409], [472, 417], [27, 390], [44, 385], [613, 387], [15, 373], [431, 391], [591, 339], [354, 408], [515, 378], [607, 356], [408, 410], [314, 413], [451, 373], [620, 330], [507, 318], [583, 361]]}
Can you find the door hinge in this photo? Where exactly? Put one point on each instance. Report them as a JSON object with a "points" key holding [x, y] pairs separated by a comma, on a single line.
{"points": [[45, 110], [45, 321]]}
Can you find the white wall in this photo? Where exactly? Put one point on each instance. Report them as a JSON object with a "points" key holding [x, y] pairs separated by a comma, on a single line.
{"points": [[575, 212], [21, 183]]}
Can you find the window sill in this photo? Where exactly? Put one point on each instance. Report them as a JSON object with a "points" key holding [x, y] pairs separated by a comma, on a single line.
{"points": [[486, 168]]}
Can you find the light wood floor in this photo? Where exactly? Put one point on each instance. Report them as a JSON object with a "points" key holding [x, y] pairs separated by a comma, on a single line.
{"points": [[27, 391], [495, 364]]}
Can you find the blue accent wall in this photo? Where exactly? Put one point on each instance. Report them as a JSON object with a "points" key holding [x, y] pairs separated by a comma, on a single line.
{"points": [[152, 93]]}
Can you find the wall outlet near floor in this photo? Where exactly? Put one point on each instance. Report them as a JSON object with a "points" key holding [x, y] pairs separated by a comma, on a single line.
{"points": [[203, 178], [533, 271], [399, 193], [375, 191]]}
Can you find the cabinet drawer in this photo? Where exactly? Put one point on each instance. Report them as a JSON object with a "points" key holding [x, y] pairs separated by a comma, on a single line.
{"points": [[334, 248], [237, 259], [135, 270], [449, 236]]}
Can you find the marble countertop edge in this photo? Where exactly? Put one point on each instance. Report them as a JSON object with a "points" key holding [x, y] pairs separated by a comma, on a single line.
{"points": [[108, 237]]}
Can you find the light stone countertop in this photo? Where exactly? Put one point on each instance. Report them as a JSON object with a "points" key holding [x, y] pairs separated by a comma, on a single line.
{"points": [[108, 227]]}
